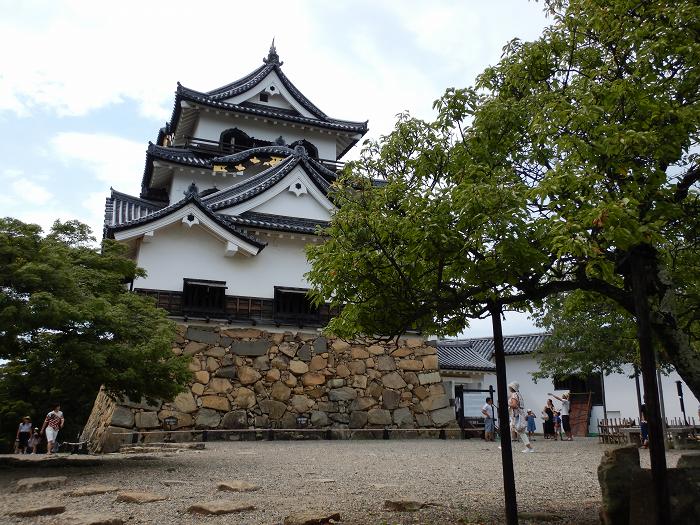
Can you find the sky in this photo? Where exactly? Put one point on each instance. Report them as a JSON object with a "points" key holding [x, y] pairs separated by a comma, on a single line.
{"points": [[84, 85]]}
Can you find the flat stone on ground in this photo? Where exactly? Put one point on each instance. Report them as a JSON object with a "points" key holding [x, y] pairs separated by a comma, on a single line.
{"points": [[40, 510], [237, 486], [31, 484], [139, 497], [403, 505], [311, 517], [89, 519], [91, 490], [220, 507], [175, 482]]}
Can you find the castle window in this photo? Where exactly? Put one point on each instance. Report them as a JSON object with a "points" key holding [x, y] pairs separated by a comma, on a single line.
{"points": [[234, 140], [292, 305], [264, 97], [202, 297]]}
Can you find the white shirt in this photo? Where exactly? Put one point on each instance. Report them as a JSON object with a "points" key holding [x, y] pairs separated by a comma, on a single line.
{"points": [[564, 407], [490, 410], [25, 427]]}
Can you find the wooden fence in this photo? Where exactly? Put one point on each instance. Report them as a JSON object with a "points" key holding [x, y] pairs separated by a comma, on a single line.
{"points": [[612, 430]]}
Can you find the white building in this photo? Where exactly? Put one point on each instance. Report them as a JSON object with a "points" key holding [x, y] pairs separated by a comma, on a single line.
{"points": [[469, 362], [233, 190]]}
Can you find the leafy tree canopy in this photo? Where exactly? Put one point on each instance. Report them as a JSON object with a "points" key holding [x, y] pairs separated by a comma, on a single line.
{"points": [[68, 326], [588, 334], [573, 155]]}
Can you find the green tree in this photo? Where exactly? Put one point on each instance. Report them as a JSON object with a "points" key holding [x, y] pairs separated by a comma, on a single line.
{"points": [[569, 164], [68, 325], [588, 335]]}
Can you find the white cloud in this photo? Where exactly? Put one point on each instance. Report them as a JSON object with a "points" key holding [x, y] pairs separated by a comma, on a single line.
{"points": [[30, 192], [94, 205], [114, 160], [72, 57]]}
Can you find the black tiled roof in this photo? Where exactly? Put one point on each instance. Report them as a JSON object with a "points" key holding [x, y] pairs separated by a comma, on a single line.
{"points": [[271, 63], [262, 150], [198, 97], [460, 354], [255, 185], [179, 156], [217, 97], [268, 221], [249, 188], [121, 207], [462, 357], [190, 197]]}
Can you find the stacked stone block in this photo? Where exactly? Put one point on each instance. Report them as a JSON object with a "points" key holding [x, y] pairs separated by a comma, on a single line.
{"points": [[245, 378]]}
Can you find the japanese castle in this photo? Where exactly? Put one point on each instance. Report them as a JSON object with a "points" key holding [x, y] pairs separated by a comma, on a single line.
{"points": [[233, 190]]}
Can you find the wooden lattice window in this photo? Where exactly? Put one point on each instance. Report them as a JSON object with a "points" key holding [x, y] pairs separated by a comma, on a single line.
{"points": [[204, 297], [293, 305]]}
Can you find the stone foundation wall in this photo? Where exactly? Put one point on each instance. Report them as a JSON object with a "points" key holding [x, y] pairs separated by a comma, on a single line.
{"points": [[251, 378]]}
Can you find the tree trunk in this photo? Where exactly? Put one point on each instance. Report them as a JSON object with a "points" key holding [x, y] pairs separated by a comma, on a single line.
{"points": [[676, 344]]}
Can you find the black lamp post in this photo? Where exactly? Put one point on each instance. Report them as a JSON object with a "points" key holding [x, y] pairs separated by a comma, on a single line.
{"points": [[679, 387]]}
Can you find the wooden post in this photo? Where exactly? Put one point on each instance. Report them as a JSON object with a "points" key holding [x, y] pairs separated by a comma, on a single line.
{"points": [[506, 448], [639, 270]]}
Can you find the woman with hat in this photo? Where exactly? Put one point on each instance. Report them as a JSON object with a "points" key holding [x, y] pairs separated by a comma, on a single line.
{"points": [[564, 413], [23, 432], [516, 407]]}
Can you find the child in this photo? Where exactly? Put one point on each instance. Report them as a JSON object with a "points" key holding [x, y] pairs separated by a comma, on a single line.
{"points": [[530, 418], [34, 441], [557, 426]]}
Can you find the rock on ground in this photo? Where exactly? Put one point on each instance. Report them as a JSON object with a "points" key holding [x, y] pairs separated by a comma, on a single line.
{"points": [[39, 510], [139, 497], [311, 517], [91, 490], [32, 484], [220, 507], [88, 519], [237, 486], [403, 505]]}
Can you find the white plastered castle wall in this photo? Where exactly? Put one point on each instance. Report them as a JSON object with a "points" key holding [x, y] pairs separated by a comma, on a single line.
{"points": [[284, 198], [620, 392], [278, 95], [178, 252], [210, 126], [204, 179]]}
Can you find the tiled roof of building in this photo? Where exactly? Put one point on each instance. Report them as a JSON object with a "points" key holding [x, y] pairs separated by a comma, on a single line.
{"points": [[466, 354], [179, 156], [255, 185], [462, 357], [121, 208], [267, 221], [217, 98], [190, 197], [198, 97]]}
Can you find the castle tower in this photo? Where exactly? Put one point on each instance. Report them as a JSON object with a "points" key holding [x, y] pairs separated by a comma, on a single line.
{"points": [[233, 191]]}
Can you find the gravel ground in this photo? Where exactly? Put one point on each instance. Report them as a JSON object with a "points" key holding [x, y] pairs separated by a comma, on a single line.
{"points": [[461, 478]]}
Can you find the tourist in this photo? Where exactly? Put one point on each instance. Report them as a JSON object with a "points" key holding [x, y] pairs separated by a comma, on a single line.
{"points": [[24, 431], [34, 441], [516, 407], [489, 412], [557, 426], [52, 424], [565, 407], [548, 420], [531, 427]]}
